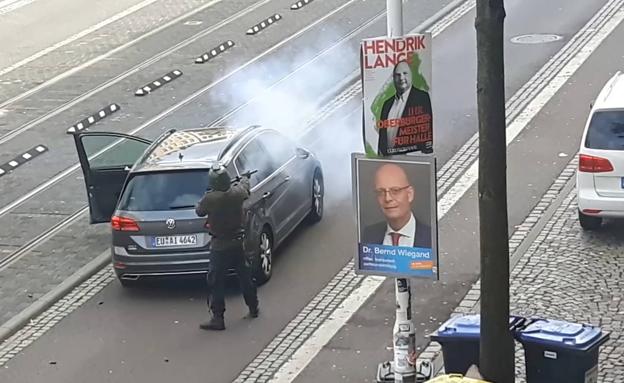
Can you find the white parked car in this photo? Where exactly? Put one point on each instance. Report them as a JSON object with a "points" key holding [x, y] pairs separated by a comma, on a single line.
{"points": [[600, 175]]}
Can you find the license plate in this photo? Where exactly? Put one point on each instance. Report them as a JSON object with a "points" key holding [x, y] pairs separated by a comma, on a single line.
{"points": [[175, 240]]}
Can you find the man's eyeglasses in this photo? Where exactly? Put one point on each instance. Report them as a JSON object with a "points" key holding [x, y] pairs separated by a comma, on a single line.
{"points": [[394, 192]]}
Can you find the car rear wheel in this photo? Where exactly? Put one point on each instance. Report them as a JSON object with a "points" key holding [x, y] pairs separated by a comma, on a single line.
{"points": [[588, 222], [264, 261], [318, 191]]}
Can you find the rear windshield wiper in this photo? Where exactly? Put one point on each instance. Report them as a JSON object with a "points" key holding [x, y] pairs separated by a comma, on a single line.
{"points": [[178, 207]]}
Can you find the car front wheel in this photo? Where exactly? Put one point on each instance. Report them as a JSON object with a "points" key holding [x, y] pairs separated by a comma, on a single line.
{"points": [[318, 191], [588, 222]]}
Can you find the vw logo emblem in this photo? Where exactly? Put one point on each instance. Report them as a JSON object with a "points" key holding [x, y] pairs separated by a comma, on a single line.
{"points": [[170, 223]]}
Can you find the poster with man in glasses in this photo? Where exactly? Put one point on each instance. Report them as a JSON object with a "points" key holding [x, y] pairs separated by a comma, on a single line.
{"points": [[396, 216]]}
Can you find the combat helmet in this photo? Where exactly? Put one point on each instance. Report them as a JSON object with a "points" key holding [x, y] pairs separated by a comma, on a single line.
{"points": [[219, 178]]}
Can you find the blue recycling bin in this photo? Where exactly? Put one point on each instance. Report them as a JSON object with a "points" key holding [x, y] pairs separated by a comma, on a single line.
{"points": [[459, 338], [558, 351]]}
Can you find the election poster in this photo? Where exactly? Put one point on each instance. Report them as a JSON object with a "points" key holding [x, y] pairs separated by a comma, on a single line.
{"points": [[396, 212], [396, 83]]}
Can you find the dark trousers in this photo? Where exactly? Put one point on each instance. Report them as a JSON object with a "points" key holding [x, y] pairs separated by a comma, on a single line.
{"points": [[223, 259]]}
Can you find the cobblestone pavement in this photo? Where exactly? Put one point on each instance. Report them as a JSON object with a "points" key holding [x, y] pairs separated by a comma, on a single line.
{"points": [[572, 275], [38, 326], [576, 276], [34, 275]]}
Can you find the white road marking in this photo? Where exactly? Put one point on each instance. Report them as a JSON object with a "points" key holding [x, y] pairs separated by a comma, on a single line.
{"points": [[78, 35], [304, 355], [531, 110], [95, 59], [11, 5], [329, 328], [6, 3]]}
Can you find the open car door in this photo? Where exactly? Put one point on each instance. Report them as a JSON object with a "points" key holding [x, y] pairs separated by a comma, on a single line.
{"points": [[106, 158]]}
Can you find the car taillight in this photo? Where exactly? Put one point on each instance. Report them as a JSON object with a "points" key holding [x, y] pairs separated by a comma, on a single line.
{"points": [[593, 164], [124, 224], [591, 211], [119, 265]]}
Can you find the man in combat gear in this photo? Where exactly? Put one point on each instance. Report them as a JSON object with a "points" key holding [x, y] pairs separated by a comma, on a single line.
{"points": [[223, 204]]}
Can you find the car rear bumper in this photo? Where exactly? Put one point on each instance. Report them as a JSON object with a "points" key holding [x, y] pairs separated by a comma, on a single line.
{"points": [[138, 270], [590, 203], [135, 266], [132, 267]]}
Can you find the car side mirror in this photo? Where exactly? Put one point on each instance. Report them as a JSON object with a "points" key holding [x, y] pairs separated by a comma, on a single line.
{"points": [[302, 153], [591, 105]]}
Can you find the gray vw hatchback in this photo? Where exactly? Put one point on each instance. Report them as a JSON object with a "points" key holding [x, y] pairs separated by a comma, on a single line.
{"points": [[148, 191]]}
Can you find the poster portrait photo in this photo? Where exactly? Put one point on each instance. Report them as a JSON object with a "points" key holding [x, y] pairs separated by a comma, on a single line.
{"points": [[396, 215]]}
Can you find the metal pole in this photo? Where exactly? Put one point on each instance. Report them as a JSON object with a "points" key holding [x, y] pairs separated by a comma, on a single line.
{"points": [[394, 12], [404, 339]]}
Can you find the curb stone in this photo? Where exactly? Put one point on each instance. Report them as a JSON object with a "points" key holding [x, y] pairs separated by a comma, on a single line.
{"points": [[13, 325]]}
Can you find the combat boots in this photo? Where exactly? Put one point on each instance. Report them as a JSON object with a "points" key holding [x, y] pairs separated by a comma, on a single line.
{"points": [[253, 312], [216, 324]]}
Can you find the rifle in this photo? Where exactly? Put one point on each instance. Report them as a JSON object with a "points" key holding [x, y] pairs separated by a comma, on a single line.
{"points": [[246, 174], [238, 178]]}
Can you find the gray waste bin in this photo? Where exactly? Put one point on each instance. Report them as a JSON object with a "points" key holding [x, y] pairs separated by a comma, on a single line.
{"points": [[558, 351]]}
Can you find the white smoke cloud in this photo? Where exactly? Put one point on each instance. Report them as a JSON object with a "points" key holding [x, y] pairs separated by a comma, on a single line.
{"points": [[304, 78], [334, 151]]}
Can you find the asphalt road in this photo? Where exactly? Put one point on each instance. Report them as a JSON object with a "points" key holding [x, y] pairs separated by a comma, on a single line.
{"points": [[150, 334], [44, 193]]}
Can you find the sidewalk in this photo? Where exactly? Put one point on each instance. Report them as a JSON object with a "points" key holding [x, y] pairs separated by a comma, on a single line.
{"points": [[559, 272], [36, 276], [575, 276]]}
